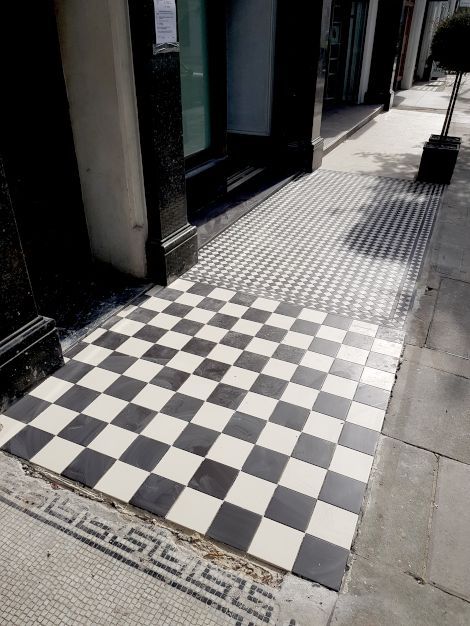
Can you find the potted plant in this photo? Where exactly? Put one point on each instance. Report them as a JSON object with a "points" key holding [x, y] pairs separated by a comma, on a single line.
{"points": [[451, 50]]}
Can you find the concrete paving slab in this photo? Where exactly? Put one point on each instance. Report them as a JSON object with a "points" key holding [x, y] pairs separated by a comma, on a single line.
{"points": [[449, 554], [394, 527], [431, 409], [450, 327], [378, 595], [438, 360], [304, 603]]}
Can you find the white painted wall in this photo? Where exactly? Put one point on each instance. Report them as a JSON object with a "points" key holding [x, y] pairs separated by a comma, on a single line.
{"points": [[97, 62], [368, 47], [413, 44]]}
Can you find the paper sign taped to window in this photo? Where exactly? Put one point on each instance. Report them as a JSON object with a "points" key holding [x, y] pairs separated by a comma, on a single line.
{"points": [[165, 21]]}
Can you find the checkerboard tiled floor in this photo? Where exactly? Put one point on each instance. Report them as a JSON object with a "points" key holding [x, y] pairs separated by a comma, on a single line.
{"points": [[244, 418]]}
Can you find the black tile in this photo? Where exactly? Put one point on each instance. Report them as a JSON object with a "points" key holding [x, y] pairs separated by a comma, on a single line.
{"points": [[81, 345], [353, 371], [251, 361], [234, 526], [359, 438], [314, 450], [211, 304], [227, 396], [157, 494], [305, 327], [291, 508], [214, 370], [289, 415], [183, 407], [271, 333], [201, 289], [134, 418], [321, 562], [196, 439], [141, 315], [150, 333], [373, 396], [220, 320], [244, 299], [169, 378], [358, 341], [269, 386], [144, 453], [111, 321], [382, 362], [118, 363], [77, 398], [73, 371], [125, 388], [213, 478], [309, 377], [343, 492], [332, 405], [291, 310], [236, 340], [27, 442], [256, 315], [82, 429], [188, 327], [245, 427], [265, 463], [26, 409], [337, 321], [178, 310], [324, 346], [169, 294], [110, 340], [289, 353], [88, 467], [159, 354], [199, 347]]}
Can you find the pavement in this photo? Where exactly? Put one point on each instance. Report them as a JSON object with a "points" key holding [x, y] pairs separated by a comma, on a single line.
{"points": [[71, 556]]}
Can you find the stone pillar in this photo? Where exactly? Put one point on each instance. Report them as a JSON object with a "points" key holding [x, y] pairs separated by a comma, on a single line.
{"points": [[413, 44], [172, 241], [29, 343]]}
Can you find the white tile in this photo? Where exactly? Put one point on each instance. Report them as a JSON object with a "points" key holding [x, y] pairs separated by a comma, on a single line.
{"points": [[198, 387], [310, 315], [339, 386], [9, 428], [365, 415], [332, 334], [190, 299], [251, 493], [194, 510], [153, 397], [276, 544], [154, 290], [297, 340], [211, 333], [185, 362], [93, 336], [135, 347], [303, 477], [112, 441], [121, 481], [54, 419], [224, 354], [221, 294], [247, 327], [386, 347], [332, 524], [98, 379], [351, 463], [57, 454], [200, 315], [257, 405], [279, 369], [262, 346], [143, 370], [323, 426], [239, 377], [174, 340], [181, 285], [299, 395], [127, 327], [364, 328], [280, 321], [155, 304], [164, 321], [178, 465], [127, 310], [105, 407], [278, 438], [265, 304], [51, 389], [212, 416], [235, 310], [352, 354], [230, 451], [320, 362], [164, 428], [378, 378]]}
